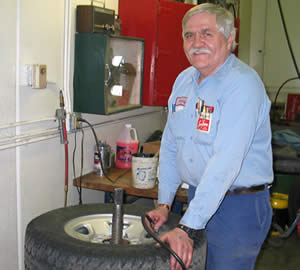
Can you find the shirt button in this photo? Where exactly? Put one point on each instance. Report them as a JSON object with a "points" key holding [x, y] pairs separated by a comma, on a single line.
{"points": [[191, 160], [191, 138]]}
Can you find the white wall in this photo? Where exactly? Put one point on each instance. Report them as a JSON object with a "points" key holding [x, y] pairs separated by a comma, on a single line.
{"points": [[33, 32], [278, 65], [245, 29], [8, 216], [269, 53], [257, 35]]}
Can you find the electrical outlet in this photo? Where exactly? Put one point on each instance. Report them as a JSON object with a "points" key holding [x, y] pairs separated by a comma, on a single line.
{"points": [[34, 76], [39, 76], [72, 122]]}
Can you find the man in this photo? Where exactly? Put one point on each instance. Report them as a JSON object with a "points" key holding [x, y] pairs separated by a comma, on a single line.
{"points": [[218, 140]]}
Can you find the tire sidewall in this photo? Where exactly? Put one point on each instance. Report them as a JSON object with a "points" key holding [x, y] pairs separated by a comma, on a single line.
{"points": [[48, 246]]}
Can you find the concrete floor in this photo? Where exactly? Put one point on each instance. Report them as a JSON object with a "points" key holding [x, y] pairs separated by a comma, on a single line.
{"points": [[286, 257]]}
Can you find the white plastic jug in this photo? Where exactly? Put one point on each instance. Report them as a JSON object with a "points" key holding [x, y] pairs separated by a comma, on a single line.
{"points": [[127, 144]]}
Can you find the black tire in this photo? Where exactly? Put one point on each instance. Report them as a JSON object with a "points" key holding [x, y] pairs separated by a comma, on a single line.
{"points": [[48, 246]]}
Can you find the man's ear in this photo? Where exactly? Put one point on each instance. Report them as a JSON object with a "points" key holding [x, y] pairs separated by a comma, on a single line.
{"points": [[230, 40]]}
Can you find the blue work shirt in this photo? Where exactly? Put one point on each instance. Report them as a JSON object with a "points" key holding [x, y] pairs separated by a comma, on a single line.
{"points": [[217, 138]]}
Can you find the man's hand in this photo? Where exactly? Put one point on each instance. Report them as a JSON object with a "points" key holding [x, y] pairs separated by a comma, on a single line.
{"points": [[182, 245], [159, 217]]}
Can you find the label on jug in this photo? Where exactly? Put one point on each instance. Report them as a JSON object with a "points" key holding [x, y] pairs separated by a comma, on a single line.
{"points": [[124, 152]]}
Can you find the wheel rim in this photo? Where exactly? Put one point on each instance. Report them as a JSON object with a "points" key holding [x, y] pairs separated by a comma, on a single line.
{"points": [[98, 228]]}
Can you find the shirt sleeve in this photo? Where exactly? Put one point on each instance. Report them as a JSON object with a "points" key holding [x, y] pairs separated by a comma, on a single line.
{"points": [[169, 180], [241, 111]]}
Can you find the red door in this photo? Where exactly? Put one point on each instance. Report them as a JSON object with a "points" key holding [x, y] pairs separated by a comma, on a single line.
{"points": [[158, 22], [170, 58]]}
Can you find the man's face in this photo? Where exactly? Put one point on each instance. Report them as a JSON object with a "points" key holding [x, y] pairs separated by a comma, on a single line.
{"points": [[204, 46]]}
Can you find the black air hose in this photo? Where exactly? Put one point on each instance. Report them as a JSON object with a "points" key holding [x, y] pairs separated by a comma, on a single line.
{"points": [[164, 245]]}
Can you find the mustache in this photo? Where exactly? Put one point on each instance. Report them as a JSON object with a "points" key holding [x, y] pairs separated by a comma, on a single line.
{"points": [[199, 50]]}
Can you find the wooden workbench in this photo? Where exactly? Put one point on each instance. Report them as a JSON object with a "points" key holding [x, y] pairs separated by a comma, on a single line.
{"points": [[122, 179]]}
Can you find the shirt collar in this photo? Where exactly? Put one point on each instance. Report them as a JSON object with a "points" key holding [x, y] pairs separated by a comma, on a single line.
{"points": [[221, 71]]}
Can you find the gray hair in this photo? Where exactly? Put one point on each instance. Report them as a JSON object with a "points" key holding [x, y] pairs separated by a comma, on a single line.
{"points": [[224, 19]]}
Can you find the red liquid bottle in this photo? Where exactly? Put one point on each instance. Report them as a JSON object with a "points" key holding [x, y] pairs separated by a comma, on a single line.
{"points": [[127, 144]]}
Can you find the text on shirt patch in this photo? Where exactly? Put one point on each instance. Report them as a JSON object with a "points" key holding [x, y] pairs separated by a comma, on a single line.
{"points": [[179, 104]]}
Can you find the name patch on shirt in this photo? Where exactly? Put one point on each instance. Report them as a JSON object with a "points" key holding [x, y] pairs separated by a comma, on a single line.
{"points": [[180, 103]]}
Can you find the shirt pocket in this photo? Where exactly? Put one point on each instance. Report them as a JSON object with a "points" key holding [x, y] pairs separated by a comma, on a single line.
{"points": [[207, 138], [179, 124], [203, 138]]}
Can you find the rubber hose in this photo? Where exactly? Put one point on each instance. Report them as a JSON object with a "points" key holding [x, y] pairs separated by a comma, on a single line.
{"points": [[164, 245]]}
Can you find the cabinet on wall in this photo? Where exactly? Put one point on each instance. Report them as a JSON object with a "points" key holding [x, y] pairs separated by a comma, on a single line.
{"points": [[158, 22], [107, 73]]}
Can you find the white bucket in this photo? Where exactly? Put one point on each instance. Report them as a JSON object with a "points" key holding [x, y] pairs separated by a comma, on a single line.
{"points": [[144, 169]]}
